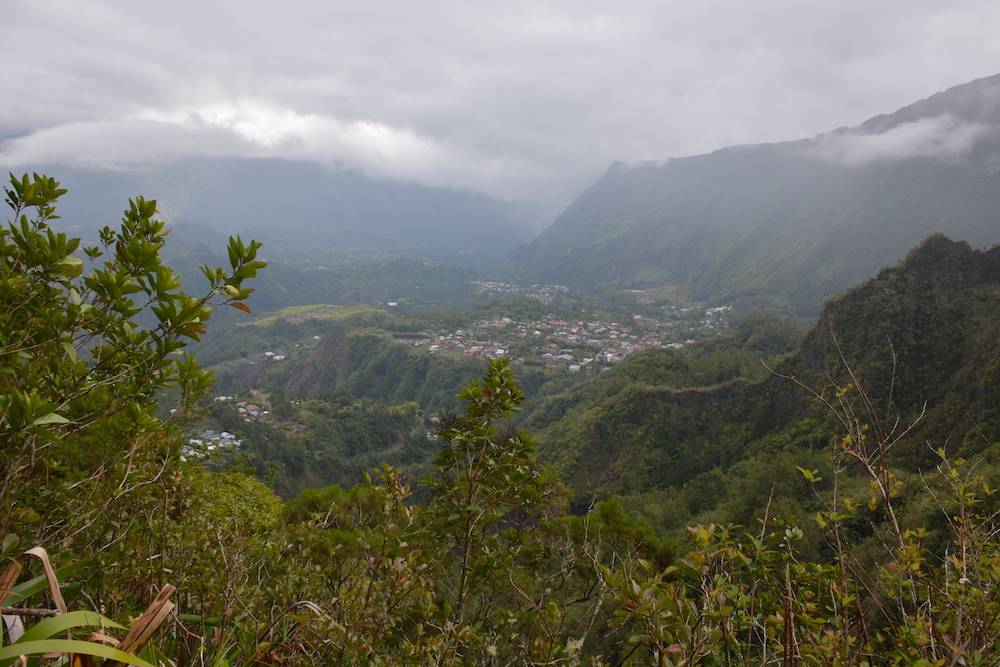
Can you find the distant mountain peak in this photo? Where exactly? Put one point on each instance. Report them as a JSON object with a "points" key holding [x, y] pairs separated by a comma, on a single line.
{"points": [[974, 101], [960, 123]]}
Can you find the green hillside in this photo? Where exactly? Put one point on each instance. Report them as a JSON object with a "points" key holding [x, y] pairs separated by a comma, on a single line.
{"points": [[923, 333]]}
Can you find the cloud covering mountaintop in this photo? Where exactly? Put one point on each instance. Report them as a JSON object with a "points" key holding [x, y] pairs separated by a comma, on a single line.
{"points": [[788, 223]]}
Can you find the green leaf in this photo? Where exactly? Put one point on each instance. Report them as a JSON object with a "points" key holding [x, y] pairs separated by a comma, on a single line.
{"points": [[26, 589], [51, 418], [8, 654], [62, 622], [196, 618]]}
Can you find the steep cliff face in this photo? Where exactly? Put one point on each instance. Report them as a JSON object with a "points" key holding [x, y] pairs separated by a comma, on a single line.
{"points": [[326, 368]]}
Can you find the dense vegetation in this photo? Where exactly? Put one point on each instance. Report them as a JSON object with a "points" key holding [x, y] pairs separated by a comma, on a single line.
{"points": [[351, 396], [349, 373], [920, 335], [855, 546]]}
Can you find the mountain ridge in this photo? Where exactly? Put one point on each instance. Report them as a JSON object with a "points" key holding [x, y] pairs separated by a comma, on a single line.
{"points": [[304, 210], [786, 224]]}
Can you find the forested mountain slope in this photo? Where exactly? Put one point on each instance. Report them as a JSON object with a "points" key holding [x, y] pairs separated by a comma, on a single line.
{"points": [[787, 224], [933, 318]]}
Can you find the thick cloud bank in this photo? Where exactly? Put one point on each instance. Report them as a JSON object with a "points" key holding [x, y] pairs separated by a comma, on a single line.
{"points": [[523, 99], [250, 129]]}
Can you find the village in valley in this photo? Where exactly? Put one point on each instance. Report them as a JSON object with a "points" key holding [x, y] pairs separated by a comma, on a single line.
{"points": [[571, 339], [575, 344], [499, 288]]}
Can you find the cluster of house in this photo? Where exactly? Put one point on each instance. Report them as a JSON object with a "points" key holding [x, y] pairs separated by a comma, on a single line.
{"points": [[250, 411], [471, 347], [207, 442], [497, 288], [247, 410], [560, 343], [609, 341], [275, 356], [716, 316]]}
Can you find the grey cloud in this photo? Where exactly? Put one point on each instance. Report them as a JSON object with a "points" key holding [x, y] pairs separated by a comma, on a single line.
{"points": [[943, 136], [250, 129], [117, 144], [524, 99]]}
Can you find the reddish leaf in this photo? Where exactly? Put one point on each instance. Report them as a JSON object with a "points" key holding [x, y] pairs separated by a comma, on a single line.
{"points": [[241, 306]]}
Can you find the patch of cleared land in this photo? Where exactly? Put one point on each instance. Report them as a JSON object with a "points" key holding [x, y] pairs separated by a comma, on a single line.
{"points": [[317, 311]]}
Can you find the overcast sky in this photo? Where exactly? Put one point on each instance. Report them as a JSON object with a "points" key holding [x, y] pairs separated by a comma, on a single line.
{"points": [[527, 100]]}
